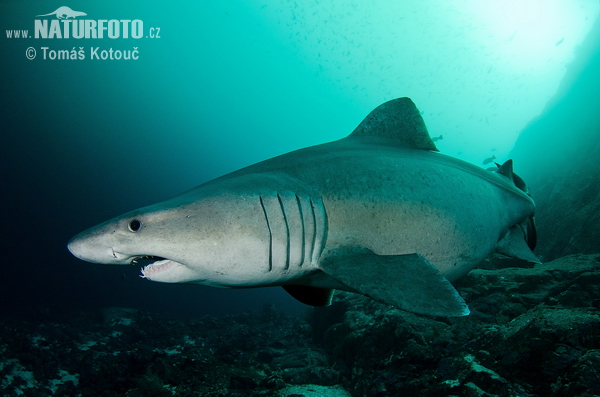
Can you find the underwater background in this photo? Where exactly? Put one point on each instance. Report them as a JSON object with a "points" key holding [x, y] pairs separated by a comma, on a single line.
{"points": [[217, 86]]}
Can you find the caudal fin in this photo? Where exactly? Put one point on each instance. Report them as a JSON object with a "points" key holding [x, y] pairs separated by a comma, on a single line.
{"points": [[521, 239]]}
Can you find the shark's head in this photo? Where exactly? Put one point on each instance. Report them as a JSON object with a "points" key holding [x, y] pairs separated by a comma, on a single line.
{"points": [[190, 240]]}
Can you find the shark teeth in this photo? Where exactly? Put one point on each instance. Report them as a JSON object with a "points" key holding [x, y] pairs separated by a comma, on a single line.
{"points": [[135, 260], [148, 271]]}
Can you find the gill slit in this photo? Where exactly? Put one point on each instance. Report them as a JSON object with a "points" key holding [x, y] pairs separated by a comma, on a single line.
{"points": [[319, 241], [314, 232], [287, 233], [262, 204], [302, 255]]}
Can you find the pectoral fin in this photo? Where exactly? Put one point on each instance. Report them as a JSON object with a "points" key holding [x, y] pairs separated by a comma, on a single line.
{"points": [[407, 282]]}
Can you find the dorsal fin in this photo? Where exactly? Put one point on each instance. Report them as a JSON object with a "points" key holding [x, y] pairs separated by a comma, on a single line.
{"points": [[398, 120], [506, 169]]}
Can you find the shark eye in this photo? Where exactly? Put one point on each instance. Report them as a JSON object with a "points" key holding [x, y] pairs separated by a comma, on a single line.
{"points": [[134, 225]]}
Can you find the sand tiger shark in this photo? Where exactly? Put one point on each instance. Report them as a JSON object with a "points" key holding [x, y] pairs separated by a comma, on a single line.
{"points": [[380, 213]]}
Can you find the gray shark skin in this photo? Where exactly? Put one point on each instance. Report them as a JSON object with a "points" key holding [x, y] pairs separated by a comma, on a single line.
{"points": [[380, 213]]}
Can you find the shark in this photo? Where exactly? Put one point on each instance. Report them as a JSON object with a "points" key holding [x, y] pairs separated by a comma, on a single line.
{"points": [[380, 213]]}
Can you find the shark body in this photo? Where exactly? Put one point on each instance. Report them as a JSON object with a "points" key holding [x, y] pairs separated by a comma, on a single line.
{"points": [[379, 213]]}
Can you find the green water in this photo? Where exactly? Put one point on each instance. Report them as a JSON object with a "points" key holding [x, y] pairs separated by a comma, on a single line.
{"points": [[224, 84]]}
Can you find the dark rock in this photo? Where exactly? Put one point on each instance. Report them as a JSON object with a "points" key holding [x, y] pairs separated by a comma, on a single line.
{"points": [[311, 375], [267, 355], [472, 390], [273, 382], [582, 378], [571, 281], [138, 354], [242, 382]]}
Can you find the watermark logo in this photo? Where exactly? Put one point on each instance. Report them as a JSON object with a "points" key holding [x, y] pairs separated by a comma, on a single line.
{"points": [[65, 12], [30, 53], [63, 28], [65, 23]]}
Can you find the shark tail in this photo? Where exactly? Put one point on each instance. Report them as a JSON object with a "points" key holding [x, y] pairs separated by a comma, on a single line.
{"points": [[524, 232]]}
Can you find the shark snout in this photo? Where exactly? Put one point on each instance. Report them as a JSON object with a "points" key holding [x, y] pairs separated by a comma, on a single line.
{"points": [[75, 247], [78, 247], [84, 249]]}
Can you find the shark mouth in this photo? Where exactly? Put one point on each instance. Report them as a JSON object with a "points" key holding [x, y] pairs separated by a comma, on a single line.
{"points": [[152, 269], [160, 264]]}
